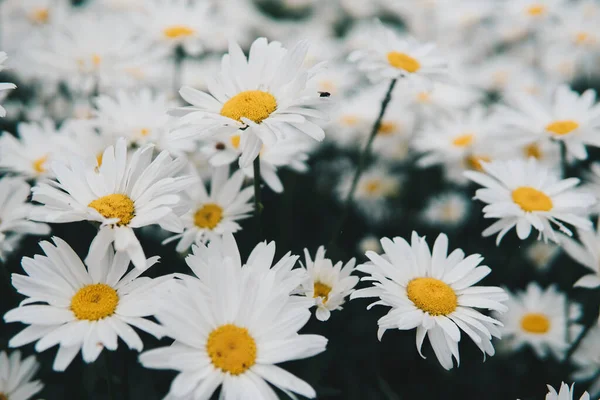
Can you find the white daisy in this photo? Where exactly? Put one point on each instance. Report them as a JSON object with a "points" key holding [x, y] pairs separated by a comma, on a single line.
{"points": [[434, 293], [536, 318], [448, 210], [84, 307], [587, 254], [236, 343], [392, 56], [4, 85], [263, 96], [542, 254], [532, 13], [587, 360], [524, 194], [215, 214], [564, 393], [122, 194], [16, 375], [329, 284], [568, 117]]}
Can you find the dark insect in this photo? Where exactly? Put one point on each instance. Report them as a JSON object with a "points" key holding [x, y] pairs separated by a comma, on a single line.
{"points": [[324, 94]]}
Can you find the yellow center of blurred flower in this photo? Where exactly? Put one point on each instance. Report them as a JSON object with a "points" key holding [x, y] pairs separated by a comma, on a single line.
{"points": [[40, 15], [373, 186], [533, 150], [535, 323], [536, 10], [562, 127], [177, 31], [99, 159], [349, 120], [144, 131], [326, 86], [463, 140], [235, 141], [403, 61], [255, 105], [94, 302], [432, 296], [115, 206], [322, 290], [231, 349], [530, 199], [474, 162], [208, 216], [387, 128], [423, 97], [582, 38], [38, 165]]}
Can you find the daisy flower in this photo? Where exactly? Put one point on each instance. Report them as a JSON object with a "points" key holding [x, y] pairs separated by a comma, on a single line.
{"points": [[82, 307], [587, 254], [564, 393], [392, 56], [15, 210], [542, 254], [30, 155], [587, 360], [449, 210], [123, 193], [433, 292], [568, 117], [441, 99], [4, 85], [532, 13], [234, 344], [15, 376], [216, 213], [329, 284], [536, 318], [262, 96], [524, 194]]}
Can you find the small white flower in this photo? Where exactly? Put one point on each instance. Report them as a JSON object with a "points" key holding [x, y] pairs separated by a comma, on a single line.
{"points": [[524, 194], [565, 393], [84, 307], [16, 375], [542, 254], [448, 210], [329, 284], [4, 86]]}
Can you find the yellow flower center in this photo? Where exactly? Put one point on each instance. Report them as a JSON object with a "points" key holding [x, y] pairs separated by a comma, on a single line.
{"points": [[474, 162], [533, 150], [463, 140], [530, 199], [38, 165], [562, 127], [40, 16], [99, 159], [235, 141], [535, 323], [423, 97], [536, 10], [373, 186], [115, 206], [322, 290], [231, 349], [144, 131], [403, 61], [432, 296], [178, 31], [387, 128], [208, 216], [583, 38], [255, 105], [349, 120], [94, 302]]}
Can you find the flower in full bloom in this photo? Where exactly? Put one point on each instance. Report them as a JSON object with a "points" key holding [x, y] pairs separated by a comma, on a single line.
{"points": [[524, 194], [4, 86], [123, 193], [235, 344], [82, 307], [329, 284], [433, 292], [564, 393], [15, 376]]}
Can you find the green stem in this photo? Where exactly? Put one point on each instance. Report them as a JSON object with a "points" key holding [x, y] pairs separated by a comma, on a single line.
{"points": [[564, 172], [361, 163], [258, 206]]}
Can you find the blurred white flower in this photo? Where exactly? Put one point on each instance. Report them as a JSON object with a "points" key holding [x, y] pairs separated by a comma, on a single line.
{"points": [[587, 254], [542, 254], [16, 377], [4, 86], [447, 210], [587, 360], [369, 243]]}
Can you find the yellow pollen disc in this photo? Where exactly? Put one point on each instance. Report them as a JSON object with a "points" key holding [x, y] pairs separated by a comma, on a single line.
{"points": [[474, 162], [373, 186], [99, 159], [40, 15], [177, 31], [582, 38], [463, 140], [255, 105], [536, 10], [208, 216], [94, 302], [322, 290], [533, 150], [96, 60], [144, 131], [231, 349], [38, 165], [349, 120], [423, 97], [403, 61], [235, 141], [432, 296], [115, 206], [535, 323], [530, 199], [387, 128], [562, 127]]}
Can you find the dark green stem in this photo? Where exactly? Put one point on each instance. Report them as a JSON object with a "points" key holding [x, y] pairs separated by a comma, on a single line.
{"points": [[258, 206]]}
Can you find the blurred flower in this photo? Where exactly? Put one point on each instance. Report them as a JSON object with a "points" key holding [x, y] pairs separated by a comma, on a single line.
{"points": [[587, 360], [122, 194], [592, 183], [215, 214], [564, 393], [369, 243], [447, 210], [542, 254], [536, 318], [15, 379], [234, 326], [87, 308], [3, 85], [524, 194], [587, 254], [440, 99], [434, 293], [329, 284]]}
